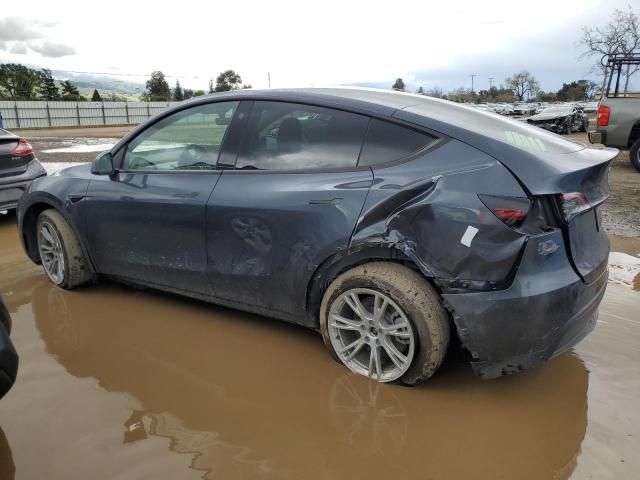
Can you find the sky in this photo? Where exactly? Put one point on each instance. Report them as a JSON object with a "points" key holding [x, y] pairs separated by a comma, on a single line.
{"points": [[303, 43]]}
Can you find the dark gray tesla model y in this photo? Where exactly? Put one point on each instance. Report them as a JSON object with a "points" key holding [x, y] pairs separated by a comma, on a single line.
{"points": [[384, 220]]}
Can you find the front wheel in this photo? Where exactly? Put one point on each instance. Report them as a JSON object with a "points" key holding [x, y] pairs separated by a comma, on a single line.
{"points": [[60, 252], [634, 154], [385, 321]]}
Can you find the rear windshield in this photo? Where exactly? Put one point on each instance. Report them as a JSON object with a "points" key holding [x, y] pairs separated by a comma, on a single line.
{"points": [[495, 126]]}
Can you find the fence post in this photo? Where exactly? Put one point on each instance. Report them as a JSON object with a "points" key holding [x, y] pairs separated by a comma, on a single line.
{"points": [[78, 112], [104, 118], [126, 108], [15, 108], [148, 113], [48, 116]]}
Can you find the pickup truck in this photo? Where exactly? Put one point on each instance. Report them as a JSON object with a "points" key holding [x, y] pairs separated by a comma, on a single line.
{"points": [[618, 120]]}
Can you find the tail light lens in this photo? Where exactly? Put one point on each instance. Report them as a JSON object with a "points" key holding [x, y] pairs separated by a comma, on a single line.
{"points": [[512, 211], [602, 120], [23, 148], [573, 204]]}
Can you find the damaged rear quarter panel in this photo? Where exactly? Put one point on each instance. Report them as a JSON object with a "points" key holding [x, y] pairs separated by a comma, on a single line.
{"points": [[427, 217]]}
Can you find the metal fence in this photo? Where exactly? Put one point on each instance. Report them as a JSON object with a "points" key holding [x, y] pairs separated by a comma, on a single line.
{"points": [[40, 114]]}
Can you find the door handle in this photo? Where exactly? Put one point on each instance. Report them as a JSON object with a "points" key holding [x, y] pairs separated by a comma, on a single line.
{"points": [[332, 201]]}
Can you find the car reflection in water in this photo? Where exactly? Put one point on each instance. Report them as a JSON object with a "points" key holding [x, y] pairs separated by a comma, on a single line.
{"points": [[262, 413]]}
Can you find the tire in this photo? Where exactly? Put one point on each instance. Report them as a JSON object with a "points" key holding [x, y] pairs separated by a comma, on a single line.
{"points": [[61, 244], [584, 125], [415, 322], [634, 154]]}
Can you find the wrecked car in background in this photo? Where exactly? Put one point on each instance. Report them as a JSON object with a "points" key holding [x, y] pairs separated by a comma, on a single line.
{"points": [[381, 219], [561, 119]]}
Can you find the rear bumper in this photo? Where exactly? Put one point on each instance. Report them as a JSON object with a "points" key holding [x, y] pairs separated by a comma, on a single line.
{"points": [[598, 136], [12, 187], [547, 310]]}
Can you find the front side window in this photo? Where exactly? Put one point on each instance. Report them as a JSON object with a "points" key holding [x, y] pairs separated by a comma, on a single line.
{"points": [[288, 136], [187, 140]]}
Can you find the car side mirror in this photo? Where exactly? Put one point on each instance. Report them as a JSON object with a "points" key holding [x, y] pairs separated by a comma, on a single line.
{"points": [[103, 164]]}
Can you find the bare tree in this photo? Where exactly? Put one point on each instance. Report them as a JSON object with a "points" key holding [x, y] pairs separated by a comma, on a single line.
{"points": [[522, 84], [620, 36]]}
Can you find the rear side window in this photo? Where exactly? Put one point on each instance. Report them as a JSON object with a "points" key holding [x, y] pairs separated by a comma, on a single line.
{"points": [[290, 136], [386, 142]]}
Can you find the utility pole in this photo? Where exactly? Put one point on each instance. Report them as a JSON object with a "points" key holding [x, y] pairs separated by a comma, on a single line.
{"points": [[491, 79], [472, 77]]}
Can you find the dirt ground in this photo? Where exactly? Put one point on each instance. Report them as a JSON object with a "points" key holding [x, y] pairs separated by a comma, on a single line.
{"points": [[621, 214]]}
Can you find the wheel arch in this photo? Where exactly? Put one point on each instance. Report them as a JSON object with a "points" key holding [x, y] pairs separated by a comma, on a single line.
{"points": [[634, 134], [29, 223], [340, 262]]}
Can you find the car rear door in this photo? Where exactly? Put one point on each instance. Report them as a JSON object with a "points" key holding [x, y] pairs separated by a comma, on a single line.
{"points": [[291, 201], [147, 222]]}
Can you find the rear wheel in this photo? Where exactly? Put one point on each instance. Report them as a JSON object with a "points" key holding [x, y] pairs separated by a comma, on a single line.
{"points": [[634, 154], [385, 321], [60, 252]]}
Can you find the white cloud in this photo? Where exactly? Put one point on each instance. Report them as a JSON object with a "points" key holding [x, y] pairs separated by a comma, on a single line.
{"points": [[18, 48], [52, 49]]}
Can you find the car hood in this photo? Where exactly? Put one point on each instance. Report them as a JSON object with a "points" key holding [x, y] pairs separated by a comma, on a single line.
{"points": [[550, 116]]}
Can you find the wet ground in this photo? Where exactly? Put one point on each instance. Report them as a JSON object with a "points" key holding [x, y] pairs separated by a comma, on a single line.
{"points": [[117, 383]]}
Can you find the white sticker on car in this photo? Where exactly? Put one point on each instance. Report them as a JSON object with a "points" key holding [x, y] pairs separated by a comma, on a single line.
{"points": [[467, 238]]}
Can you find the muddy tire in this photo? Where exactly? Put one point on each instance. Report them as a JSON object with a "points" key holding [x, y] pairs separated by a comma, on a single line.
{"points": [[634, 154], [61, 255], [402, 330]]}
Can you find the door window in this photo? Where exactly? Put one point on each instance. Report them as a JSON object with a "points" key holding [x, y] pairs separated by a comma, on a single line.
{"points": [[387, 142], [288, 136], [186, 140]]}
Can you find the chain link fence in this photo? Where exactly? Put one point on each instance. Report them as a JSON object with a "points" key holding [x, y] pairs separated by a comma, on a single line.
{"points": [[40, 114]]}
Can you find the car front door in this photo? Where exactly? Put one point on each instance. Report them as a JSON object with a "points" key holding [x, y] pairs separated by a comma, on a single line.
{"points": [[291, 201], [146, 222]]}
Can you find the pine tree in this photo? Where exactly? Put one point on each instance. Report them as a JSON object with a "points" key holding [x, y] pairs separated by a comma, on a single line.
{"points": [[398, 85], [178, 94], [48, 89], [96, 96]]}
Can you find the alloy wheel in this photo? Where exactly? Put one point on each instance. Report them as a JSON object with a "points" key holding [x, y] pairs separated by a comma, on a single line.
{"points": [[371, 334], [51, 253]]}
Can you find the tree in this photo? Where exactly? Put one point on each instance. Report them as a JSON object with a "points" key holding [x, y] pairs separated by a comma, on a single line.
{"points": [[620, 36], [420, 91], [580, 90], [18, 82], [96, 96], [178, 94], [70, 92], [157, 88], [436, 92], [48, 88], [187, 93], [521, 84], [398, 85], [227, 80], [199, 93]]}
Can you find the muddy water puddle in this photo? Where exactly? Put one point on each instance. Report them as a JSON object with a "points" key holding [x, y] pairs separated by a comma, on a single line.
{"points": [[122, 383]]}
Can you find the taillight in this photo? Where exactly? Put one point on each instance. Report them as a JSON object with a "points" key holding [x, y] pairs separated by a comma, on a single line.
{"points": [[602, 120], [512, 211], [573, 204], [23, 148]]}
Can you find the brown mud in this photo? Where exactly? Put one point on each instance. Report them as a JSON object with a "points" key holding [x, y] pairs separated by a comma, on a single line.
{"points": [[117, 383]]}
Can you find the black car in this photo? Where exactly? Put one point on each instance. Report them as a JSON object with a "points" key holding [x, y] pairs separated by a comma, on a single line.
{"points": [[561, 119], [384, 220], [8, 355], [18, 168]]}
